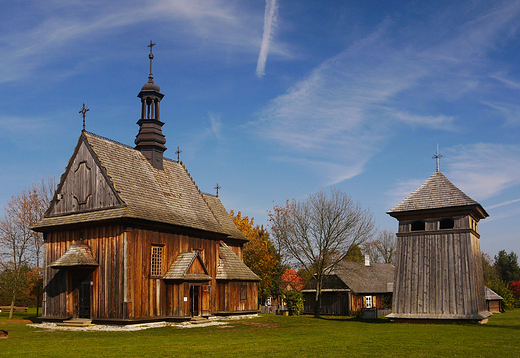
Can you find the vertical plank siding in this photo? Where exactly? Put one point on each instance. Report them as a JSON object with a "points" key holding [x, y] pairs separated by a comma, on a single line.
{"points": [[438, 274], [126, 289]]}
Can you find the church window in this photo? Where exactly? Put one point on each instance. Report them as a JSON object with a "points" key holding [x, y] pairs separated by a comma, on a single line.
{"points": [[418, 225], [243, 293], [447, 224], [157, 260]]}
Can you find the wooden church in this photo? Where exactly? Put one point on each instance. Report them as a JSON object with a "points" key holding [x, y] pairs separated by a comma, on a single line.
{"points": [[129, 237], [438, 271]]}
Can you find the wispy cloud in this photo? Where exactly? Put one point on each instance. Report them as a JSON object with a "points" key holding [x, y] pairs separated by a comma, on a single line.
{"points": [[215, 126], [480, 170], [62, 30], [352, 104], [509, 111], [270, 17], [504, 203], [484, 170]]}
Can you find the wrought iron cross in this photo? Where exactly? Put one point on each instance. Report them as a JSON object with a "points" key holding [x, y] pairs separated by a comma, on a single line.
{"points": [[438, 157], [151, 45], [217, 187], [178, 152], [150, 56], [83, 112]]}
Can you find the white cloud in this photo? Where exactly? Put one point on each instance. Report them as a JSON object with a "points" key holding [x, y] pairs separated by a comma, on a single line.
{"points": [[346, 108], [509, 111], [435, 122], [270, 18], [503, 204], [215, 126], [483, 170], [64, 29]]}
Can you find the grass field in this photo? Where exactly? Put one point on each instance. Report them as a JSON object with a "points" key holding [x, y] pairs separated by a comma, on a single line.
{"points": [[274, 336]]}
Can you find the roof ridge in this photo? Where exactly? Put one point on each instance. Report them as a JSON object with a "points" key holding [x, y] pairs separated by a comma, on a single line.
{"points": [[110, 140], [192, 180]]}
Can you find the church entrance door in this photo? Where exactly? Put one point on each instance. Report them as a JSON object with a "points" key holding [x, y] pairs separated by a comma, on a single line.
{"points": [[82, 294], [194, 300]]}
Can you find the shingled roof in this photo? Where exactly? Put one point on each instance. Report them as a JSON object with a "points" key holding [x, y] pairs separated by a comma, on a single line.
{"points": [[168, 196], [77, 255], [436, 192], [230, 267], [492, 295], [365, 279], [179, 269]]}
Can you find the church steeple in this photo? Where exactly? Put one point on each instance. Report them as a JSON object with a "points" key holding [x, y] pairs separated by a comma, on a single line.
{"points": [[150, 139]]}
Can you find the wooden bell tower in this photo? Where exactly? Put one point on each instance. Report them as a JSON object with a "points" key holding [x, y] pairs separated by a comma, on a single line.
{"points": [[438, 271]]}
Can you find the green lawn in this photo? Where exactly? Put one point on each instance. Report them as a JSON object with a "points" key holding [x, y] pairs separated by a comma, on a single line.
{"points": [[274, 336]]}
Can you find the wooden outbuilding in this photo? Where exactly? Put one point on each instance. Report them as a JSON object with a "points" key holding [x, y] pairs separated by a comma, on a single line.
{"points": [[438, 271], [493, 301], [129, 237], [352, 287]]}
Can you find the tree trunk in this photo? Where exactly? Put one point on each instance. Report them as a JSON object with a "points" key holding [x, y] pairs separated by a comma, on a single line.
{"points": [[317, 299], [12, 305]]}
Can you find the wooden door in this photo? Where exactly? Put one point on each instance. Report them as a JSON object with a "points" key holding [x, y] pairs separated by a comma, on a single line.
{"points": [[82, 295], [206, 300], [195, 300]]}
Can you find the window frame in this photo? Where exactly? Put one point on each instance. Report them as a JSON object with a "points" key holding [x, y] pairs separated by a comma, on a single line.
{"points": [[156, 260]]}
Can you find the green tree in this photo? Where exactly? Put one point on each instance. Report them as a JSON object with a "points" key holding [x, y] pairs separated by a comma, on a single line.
{"points": [[507, 266], [316, 233], [354, 254], [490, 273]]}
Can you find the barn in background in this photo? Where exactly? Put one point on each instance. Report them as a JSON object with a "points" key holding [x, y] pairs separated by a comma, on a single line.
{"points": [[353, 287], [129, 236], [438, 271]]}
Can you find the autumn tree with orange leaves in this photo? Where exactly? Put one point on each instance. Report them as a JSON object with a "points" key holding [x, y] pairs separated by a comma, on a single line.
{"points": [[259, 255]]}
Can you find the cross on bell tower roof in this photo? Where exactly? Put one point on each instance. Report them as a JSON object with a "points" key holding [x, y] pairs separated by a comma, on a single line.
{"points": [[437, 156]]}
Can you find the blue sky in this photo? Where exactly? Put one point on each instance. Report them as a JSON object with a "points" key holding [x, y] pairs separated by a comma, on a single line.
{"points": [[275, 100]]}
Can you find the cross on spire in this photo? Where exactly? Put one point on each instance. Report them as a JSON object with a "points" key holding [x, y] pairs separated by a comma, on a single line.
{"points": [[150, 56], [438, 157], [178, 152], [83, 112], [217, 187]]}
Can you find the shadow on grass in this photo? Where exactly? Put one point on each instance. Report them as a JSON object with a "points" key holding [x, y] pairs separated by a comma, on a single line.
{"points": [[355, 319]]}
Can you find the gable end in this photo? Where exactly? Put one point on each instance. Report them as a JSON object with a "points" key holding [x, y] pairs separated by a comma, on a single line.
{"points": [[84, 186]]}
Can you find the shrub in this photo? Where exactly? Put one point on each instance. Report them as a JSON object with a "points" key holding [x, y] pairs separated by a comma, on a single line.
{"points": [[294, 301]]}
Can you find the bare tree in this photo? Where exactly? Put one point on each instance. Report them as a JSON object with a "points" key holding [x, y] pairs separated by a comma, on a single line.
{"points": [[383, 248], [19, 245], [317, 233]]}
